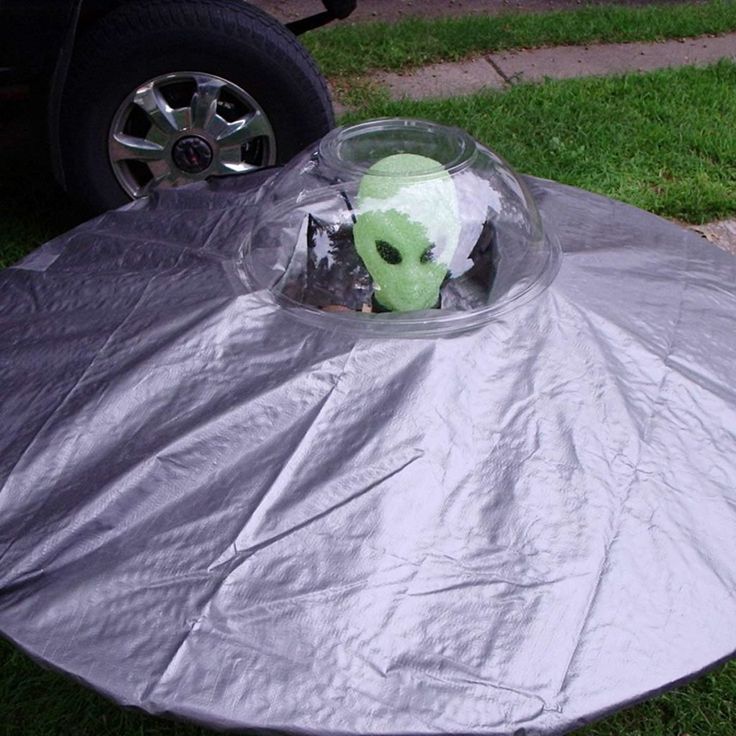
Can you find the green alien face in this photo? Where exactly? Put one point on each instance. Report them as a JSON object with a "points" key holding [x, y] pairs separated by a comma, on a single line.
{"points": [[407, 230]]}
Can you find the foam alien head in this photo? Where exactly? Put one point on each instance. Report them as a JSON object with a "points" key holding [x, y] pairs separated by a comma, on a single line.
{"points": [[407, 229]]}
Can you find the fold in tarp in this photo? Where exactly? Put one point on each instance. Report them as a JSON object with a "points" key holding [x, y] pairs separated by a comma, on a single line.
{"points": [[211, 509]]}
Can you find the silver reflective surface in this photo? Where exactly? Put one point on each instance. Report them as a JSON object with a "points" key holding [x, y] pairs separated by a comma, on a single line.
{"points": [[211, 509]]}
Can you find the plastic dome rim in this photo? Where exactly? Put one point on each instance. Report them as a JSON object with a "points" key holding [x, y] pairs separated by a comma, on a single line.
{"points": [[334, 176], [420, 324], [329, 145]]}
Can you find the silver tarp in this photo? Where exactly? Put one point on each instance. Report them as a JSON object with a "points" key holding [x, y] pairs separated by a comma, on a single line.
{"points": [[214, 510]]}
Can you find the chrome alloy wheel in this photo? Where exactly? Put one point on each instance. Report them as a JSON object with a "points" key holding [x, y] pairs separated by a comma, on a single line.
{"points": [[183, 127]]}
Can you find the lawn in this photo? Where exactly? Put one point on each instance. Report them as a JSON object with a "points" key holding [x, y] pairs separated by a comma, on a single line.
{"points": [[663, 141], [347, 50]]}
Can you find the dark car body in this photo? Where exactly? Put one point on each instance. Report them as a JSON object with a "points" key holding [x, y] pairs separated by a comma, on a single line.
{"points": [[36, 34], [37, 44]]}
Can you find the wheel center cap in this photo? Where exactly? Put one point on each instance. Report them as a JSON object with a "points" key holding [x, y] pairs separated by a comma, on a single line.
{"points": [[192, 154]]}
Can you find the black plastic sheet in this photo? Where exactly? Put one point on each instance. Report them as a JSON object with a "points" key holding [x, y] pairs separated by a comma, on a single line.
{"points": [[212, 509]]}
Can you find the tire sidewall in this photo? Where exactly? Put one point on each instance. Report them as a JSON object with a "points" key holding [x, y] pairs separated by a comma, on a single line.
{"points": [[283, 89]]}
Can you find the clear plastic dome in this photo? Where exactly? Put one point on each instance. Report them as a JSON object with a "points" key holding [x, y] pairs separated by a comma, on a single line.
{"points": [[399, 227]]}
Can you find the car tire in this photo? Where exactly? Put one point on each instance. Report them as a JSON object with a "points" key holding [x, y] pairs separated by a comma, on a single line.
{"points": [[227, 42]]}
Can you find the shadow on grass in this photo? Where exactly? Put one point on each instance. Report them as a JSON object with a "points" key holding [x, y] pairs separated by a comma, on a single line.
{"points": [[33, 208]]}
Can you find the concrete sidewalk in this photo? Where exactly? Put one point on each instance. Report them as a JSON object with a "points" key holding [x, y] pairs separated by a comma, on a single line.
{"points": [[721, 233], [499, 70]]}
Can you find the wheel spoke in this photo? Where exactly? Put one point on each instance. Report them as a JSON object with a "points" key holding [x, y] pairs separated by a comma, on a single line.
{"points": [[126, 147], [160, 169], [204, 101], [163, 177], [147, 188], [166, 180], [152, 102], [241, 131], [232, 166], [161, 147]]}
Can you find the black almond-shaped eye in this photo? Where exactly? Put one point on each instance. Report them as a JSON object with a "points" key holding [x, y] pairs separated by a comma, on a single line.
{"points": [[426, 257], [388, 252]]}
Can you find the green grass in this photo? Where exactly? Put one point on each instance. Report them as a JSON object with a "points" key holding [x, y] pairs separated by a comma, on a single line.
{"points": [[355, 49], [35, 702], [663, 141], [705, 707]]}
